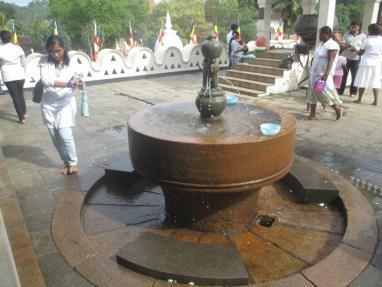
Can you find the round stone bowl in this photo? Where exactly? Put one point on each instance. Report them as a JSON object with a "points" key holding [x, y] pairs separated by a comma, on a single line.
{"points": [[211, 169]]}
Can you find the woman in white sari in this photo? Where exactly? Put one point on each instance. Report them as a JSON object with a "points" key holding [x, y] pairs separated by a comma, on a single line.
{"points": [[323, 67]]}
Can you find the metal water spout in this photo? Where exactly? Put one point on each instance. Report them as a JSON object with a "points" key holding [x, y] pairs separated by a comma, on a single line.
{"points": [[211, 100]]}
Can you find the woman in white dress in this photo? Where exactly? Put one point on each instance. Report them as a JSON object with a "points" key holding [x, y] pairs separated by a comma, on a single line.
{"points": [[58, 105], [323, 66], [369, 71]]}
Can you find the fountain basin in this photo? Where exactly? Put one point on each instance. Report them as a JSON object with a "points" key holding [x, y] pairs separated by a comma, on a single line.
{"points": [[211, 169]]}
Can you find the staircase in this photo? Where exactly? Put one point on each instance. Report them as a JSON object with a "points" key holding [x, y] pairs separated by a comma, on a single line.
{"points": [[261, 76]]}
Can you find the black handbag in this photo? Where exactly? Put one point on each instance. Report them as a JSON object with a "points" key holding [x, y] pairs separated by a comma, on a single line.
{"points": [[38, 91]]}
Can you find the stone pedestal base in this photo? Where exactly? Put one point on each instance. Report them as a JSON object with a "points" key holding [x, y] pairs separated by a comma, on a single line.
{"points": [[211, 212]]}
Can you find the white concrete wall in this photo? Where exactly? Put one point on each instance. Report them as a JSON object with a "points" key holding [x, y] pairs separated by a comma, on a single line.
{"points": [[112, 64]]}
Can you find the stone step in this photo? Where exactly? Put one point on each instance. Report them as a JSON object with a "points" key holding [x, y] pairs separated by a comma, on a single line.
{"points": [[258, 77], [8, 272], [260, 69], [265, 62], [272, 55], [241, 91], [243, 83]]}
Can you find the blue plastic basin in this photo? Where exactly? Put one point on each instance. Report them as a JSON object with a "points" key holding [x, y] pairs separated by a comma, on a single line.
{"points": [[270, 129]]}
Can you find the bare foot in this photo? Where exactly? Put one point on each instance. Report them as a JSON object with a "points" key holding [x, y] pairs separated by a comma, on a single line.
{"points": [[338, 113], [310, 117], [357, 101], [72, 169], [374, 103], [65, 170]]}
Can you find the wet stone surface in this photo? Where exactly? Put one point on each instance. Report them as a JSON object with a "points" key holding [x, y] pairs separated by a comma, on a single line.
{"points": [[350, 147]]}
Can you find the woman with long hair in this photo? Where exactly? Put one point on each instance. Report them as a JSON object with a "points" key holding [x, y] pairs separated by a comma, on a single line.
{"points": [[58, 105]]}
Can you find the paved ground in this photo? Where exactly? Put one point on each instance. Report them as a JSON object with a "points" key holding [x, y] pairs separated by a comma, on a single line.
{"points": [[351, 147]]}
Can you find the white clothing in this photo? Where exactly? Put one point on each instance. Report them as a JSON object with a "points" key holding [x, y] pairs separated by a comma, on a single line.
{"points": [[368, 77], [355, 41], [320, 60], [372, 55], [329, 96], [369, 70], [341, 61], [229, 36], [58, 105], [12, 62]]}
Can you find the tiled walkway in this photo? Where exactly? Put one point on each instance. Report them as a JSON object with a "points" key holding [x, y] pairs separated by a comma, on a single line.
{"points": [[30, 176]]}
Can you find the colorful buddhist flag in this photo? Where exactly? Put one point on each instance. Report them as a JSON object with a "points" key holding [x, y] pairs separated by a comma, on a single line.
{"points": [[96, 41], [160, 36], [280, 32], [238, 29], [131, 38], [15, 39], [55, 30], [193, 38], [215, 31]]}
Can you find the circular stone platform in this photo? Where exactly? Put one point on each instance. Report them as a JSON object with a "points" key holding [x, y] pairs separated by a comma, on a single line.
{"points": [[306, 242]]}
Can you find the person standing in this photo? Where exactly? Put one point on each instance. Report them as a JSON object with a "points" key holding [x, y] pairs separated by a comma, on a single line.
{"points": [[323, 66], [369, 72], [351, 43], [13, 70], [58, 105], [234, 28], [235, 50]]}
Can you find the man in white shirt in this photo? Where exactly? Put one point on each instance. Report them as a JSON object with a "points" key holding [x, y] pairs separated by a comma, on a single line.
{"points": [[12, 65], [234, 28], [351, 43]]}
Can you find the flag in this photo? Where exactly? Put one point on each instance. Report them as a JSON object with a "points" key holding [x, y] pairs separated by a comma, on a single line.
{"points": [[15, 39], [160, 36], [193, 38], [131, 39], [96, 41], [238, 29], [55, 30], [279, 32], [215, 31]]}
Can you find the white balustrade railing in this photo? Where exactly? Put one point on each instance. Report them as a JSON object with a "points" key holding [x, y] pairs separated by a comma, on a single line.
{"points": [[140, 61]]}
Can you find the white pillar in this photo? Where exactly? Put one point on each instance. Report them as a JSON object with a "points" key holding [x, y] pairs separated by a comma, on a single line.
{"points": [[264, 23], [325, 16], [308, 7], [370, 14]]}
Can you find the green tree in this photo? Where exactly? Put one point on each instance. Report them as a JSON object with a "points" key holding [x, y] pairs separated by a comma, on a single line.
{"points": [[289, 10], [183, 13], [347, 11], [227, 12], [112, 16]]}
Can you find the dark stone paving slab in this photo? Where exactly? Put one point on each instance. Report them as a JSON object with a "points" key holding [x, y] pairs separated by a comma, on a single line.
{"points": [[308, 185], [371, 277], [200, 263]]}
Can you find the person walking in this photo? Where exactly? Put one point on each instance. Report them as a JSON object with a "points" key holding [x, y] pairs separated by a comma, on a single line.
{"points": [[13, 70], [321, 71], [369, 72], [58, 105], [351, 43]]}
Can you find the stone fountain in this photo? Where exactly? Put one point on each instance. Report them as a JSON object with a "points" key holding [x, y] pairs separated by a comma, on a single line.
{"points": [[210, 166], [209, 200]]}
